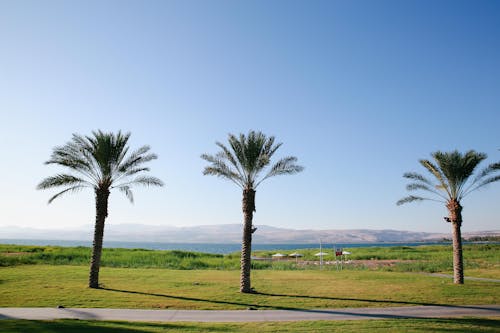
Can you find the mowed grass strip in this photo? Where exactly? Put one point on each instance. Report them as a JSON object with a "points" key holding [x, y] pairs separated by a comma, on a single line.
{"points": [[445, 325], [49, 286]]}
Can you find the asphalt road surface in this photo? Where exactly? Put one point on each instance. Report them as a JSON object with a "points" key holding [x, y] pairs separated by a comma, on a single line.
{"points": [[250, 315]]}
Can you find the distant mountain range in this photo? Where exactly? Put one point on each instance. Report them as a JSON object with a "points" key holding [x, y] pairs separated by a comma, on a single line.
{"points": [[229, 233]]}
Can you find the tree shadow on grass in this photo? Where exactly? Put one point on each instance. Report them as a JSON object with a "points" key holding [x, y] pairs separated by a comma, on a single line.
{"points": [[277, 307], [254, 306], [193, 299], [395, 302], [81, 326]]}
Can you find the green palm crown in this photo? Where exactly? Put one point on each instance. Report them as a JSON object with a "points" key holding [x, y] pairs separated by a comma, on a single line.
{"points": [[101, 162], [246, 160], [453, 174]]}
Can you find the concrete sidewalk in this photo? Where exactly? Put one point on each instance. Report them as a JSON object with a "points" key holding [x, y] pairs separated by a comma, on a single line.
{"points": [[250, 315]]}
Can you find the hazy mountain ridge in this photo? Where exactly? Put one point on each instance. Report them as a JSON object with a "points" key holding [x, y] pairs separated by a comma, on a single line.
{"points": [[229, 233]]}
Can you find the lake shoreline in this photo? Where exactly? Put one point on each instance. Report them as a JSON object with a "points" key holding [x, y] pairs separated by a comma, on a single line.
{"points": [[215, 248]]}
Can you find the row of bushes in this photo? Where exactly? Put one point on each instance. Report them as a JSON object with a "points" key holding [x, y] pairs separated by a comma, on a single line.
{"points": [[418, 258]]}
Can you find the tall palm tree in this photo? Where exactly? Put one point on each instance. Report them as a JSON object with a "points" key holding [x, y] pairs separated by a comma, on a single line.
{"points": [[243, 164], [452, 181], [100, 162]]}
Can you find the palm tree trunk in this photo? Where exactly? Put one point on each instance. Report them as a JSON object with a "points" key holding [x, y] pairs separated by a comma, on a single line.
{"points": [[101, 205], [455, 216], [246, 244]]}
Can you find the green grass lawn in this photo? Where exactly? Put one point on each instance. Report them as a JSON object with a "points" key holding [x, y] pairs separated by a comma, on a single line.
{"points": [[52, 285], [456, 325]]}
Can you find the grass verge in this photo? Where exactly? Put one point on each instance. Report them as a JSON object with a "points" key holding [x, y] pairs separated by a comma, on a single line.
{"points": [[456, 325]]}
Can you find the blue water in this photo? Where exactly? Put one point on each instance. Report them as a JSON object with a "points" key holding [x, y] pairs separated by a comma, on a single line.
{"points": [[204, 247]]}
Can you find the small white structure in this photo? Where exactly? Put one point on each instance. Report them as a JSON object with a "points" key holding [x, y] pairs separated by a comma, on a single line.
{"points": [[321, 254], [278, 255], [296, 256]]}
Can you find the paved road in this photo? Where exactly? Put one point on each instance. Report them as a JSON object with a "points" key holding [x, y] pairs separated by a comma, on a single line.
{"points": [[250, 315]]}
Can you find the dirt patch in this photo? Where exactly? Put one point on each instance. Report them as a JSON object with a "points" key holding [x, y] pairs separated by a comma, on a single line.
{"points": [[378, 263], [13, 254], [372, 264]]}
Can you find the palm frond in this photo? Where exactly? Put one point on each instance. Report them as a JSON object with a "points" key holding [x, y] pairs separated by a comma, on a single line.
{"points": [[231, 158], [487, 171], [223, 171], [208, 158], [71, 189], [136, 158], [488, 181], [128, 192], [424, 187], [254, 145], [285, 166], [146, 181], [61, 180], [219, 168], [412, 198], [407, 199], [418, 186], [77, 155], [434, 170], [131, 172], [271, 148], [238, 147], [492, 168], [66, 156], [418, 177], [222, 157], [484, 182]]}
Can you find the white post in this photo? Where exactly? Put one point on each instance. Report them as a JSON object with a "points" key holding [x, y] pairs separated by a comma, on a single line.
{"points": [[335, 254], [320, 255]]}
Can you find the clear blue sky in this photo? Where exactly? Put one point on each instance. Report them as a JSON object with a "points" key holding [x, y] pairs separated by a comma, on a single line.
{"points": [[357, 90]]}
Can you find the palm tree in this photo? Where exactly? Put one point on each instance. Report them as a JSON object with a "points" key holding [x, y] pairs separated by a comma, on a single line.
{"points": [[101, 162], [243, 164], [452, 181]]}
